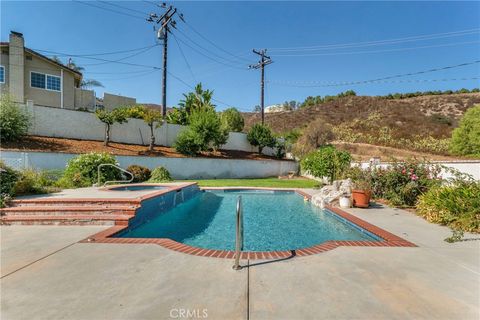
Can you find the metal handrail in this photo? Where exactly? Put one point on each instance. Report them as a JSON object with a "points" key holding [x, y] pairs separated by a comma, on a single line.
{"points": [[239, 234], [107, 182]]}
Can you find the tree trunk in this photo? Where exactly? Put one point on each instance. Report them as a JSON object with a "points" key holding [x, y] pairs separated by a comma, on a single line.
{"points": [[152, 138], [107, 134]]}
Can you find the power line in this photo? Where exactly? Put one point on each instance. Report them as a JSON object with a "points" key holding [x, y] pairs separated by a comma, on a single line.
{"points": [[184, 57], [297, 83], [381, 42], [122, 7], [264, 61], [103, 53], [121, 59], [376, 51], [214, 44], [109, 10]]}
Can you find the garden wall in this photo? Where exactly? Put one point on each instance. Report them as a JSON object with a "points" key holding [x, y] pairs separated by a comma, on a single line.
{"points": [[180, 168], [63, 123]]}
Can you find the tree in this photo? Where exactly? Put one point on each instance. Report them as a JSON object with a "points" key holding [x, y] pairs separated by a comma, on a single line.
{"points": [[466, 138], [257, 108], [260, 136], [153, 118], [86, 83], [326, 162], [14, 120], [232, 120], [199, 99], [109, 118]]}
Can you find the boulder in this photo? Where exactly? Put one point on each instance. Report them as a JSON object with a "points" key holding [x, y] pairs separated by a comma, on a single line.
{"points": [[330, 195]]}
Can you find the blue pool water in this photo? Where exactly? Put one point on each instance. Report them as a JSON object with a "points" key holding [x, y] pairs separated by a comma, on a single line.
{"points": [[272, 221], [137, 188]]}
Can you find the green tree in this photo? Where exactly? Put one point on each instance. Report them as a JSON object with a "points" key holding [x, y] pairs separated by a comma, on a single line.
{"points": [[232, 120], [326, 162], [153, 118], [86, 83], [466, 138], [109, 118], [14, 120], [199, 99], [261, 136]]}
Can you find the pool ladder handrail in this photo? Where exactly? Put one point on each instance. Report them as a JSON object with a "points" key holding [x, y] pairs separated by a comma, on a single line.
{"points": [[239, 234], [112, 181]]}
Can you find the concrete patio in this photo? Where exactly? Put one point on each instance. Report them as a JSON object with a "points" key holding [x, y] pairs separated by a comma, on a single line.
{"points": [[46, 274]]}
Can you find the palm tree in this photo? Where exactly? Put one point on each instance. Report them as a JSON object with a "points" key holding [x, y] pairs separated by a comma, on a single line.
{"points": [[86, 83]]}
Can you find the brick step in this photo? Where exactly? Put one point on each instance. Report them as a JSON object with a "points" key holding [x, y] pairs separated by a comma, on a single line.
{"points": [[74, 202], [66, 210], [66, 220]]}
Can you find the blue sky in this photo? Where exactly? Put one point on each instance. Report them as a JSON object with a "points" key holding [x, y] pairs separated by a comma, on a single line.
{"points": [[237, 27]]}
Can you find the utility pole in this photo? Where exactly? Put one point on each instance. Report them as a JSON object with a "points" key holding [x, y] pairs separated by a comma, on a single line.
{"points": [[264, 60], [165, 21]]}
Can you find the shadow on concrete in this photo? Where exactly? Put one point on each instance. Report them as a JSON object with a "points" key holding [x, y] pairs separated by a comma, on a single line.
{"points": [[292, 255]]}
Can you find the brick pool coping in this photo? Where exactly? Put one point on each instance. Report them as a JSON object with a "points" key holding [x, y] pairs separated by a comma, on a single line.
{"points": [[388, 239]]}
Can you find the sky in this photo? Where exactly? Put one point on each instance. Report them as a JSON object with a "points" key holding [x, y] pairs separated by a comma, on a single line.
{"points": [[317, 48]]}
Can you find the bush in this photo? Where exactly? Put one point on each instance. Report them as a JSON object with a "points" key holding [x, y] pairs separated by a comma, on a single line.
{"points": [[30, 182], [260, 136], [466, 138], [82, 170], [140, 174], [326, 162], [14, 120], [8, 178], [232, 120], [456, 205], [160, 174], [317, 134], [205, 132]]}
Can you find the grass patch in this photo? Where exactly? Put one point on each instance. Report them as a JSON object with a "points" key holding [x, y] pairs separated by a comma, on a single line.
{"points": [[262, 182]]}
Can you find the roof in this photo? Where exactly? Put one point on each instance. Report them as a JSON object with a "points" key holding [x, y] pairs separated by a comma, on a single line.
{"points": [[46, 58]]}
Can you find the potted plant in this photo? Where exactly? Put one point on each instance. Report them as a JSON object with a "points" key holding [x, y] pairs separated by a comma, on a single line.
{"points": [[361, 193]]}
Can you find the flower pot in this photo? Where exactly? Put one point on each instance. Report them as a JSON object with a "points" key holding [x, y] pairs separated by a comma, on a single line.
{"points": [[345, 202], [361, 198]]}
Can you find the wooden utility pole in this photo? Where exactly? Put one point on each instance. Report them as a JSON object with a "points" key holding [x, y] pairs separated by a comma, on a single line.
{"points": [[164, 21], [264, 60]]}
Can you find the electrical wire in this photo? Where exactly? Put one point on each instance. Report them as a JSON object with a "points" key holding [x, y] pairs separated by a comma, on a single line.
{"points": [[109, 10], [124, 8], [184, 58], [297, 83], [381, 42], [103, 53]]}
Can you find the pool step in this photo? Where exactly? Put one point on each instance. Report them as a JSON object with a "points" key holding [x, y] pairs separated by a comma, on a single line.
{"points": [[76, 219], [133, 203], [66, 210]]}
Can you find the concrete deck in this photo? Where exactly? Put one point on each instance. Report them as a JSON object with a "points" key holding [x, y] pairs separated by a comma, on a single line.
{"points": [[47, 275]]}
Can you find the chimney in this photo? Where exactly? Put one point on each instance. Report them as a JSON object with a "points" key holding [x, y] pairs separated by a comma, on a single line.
{"points": [[17, 66]]}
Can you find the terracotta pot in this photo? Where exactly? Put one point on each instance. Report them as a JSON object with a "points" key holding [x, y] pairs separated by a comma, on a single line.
{"points": [[361, 198]]}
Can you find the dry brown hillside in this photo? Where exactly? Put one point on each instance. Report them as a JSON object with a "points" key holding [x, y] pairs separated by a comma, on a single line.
{"points": [[434, 115]]}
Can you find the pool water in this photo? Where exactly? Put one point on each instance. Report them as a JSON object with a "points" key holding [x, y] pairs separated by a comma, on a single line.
{"points": [[272, 221], [137, 188]]}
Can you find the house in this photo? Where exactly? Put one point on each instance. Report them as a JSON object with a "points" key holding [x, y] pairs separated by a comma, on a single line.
{"points": [[276, 108], [34, 79]]}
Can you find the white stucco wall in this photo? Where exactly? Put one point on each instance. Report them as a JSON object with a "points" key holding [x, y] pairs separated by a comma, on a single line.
{"points": [[62, 123], [180, 168]]}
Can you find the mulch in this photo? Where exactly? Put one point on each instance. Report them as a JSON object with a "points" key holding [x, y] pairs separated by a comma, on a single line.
{"points": [[48, 144]]}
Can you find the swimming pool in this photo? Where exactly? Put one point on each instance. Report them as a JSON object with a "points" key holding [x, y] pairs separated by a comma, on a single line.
{"points": [[137, 188], [273, 220]]}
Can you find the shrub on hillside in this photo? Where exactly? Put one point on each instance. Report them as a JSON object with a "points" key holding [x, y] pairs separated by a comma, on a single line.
{"points": [[82, 170], [8, 178], [317, 134], [456, 205], [14, 120], [326, 162], [140, 174], [261, 136], [466, 138], [160, 174], [205, 132], [232, 120]]}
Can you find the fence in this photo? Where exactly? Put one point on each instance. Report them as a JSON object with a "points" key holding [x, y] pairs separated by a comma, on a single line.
{"points": [[180, 168], [63, 123]]}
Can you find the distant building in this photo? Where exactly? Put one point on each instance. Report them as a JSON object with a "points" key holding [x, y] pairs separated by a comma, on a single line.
{"points": [[275, 108], [34, 79]]}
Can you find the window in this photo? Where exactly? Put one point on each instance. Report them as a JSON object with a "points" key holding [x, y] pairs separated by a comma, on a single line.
{"points": [[53, 83], [45, 81], [37, 80], [2, 74]]}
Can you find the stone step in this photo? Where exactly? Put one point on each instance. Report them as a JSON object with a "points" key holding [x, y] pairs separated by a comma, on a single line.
{"points": [[66, 210], [66, 220], [133, 203]]}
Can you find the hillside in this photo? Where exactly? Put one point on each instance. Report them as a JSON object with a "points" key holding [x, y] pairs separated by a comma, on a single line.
{"points": [[433, 116]]}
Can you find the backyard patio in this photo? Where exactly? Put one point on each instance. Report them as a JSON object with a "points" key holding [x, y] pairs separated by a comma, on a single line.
{"points": [[46, 273]]}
